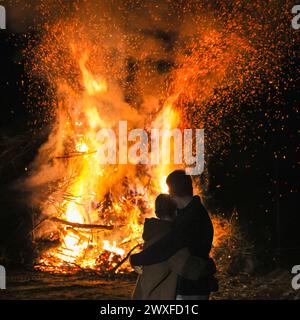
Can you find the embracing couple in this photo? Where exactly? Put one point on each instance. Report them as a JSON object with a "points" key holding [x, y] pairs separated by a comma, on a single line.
{"points": [[175, 262]]}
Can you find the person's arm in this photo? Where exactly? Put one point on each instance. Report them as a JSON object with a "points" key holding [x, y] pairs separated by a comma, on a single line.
{"points": [[190, 267], [180, 236], [195, 268], [160, 251]]}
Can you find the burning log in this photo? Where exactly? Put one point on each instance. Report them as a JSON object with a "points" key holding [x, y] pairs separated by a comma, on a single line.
{"points": [[75, 154], [113, 271], [81, 225]]}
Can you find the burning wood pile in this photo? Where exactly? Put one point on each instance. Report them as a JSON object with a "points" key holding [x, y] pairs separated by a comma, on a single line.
{"points": [[103, 245], [87, 233]]}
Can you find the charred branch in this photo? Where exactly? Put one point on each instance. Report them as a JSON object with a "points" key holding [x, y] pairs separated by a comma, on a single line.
{"points": [[81, 225]]}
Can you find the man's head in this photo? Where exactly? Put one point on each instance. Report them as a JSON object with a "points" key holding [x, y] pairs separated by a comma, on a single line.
{"points": [[180, 184], [165, 207]]}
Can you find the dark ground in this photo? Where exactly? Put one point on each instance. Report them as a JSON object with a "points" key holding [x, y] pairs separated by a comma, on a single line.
{"points": [[41, 286]]}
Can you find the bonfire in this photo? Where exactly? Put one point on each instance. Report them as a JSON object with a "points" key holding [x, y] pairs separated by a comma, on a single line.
{"points": [[91, 214]]}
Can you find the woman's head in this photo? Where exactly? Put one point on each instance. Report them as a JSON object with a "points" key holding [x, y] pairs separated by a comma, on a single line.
{"points": [[165, 207]]}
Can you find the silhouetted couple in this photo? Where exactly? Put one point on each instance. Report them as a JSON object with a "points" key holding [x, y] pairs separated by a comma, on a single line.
{"points": [[175, 262]]}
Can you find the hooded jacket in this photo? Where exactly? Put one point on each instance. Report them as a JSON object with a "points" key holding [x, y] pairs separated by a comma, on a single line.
{"points": [[159, 281], [193, 229]]}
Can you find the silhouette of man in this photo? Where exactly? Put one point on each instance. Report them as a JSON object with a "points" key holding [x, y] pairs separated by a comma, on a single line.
{"points": [[192, 228]]}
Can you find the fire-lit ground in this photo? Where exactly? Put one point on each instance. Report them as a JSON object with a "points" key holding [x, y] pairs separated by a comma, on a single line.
{"points": [[42, 286]]}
